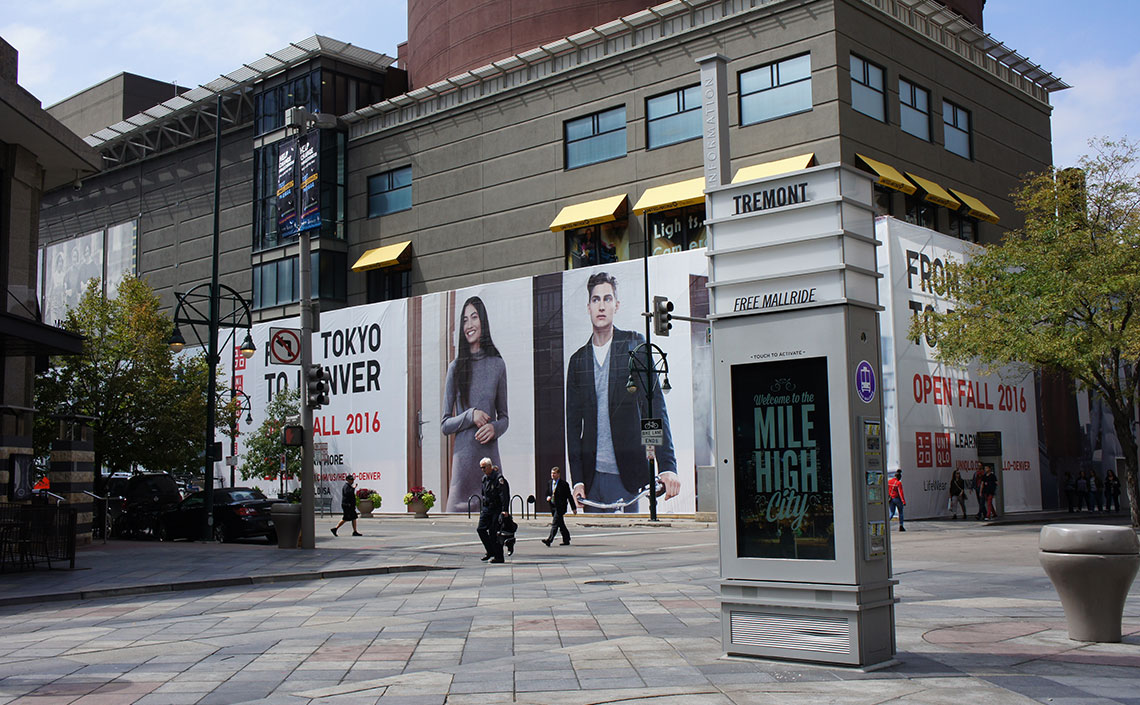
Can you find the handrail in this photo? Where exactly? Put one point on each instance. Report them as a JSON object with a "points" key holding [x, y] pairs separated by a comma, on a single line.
{"points": [[49, 493], [474, 496], [106, 528]]}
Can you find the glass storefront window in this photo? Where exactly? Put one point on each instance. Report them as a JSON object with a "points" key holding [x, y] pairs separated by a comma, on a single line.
{"points": [[677, 230], [597, 244]]}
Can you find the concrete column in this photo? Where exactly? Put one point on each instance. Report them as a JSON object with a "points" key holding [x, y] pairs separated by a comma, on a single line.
{"points": [[73, 471]]}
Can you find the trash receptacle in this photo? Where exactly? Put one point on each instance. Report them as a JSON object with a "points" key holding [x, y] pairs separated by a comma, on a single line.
{"points": [[287, 523], [1092, 567]]}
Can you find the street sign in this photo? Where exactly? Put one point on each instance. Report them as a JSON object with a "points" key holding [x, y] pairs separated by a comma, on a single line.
{"points": [[652, 432], [284, 346], [231, 461]]}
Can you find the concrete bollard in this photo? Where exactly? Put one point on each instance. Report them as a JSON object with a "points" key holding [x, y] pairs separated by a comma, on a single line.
{"points": [[1092, 567]]}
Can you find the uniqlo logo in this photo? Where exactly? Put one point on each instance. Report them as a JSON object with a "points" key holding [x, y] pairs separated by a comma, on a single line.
{"points": [[239, 383], [923, 450], [239, 359], [942, 450]]}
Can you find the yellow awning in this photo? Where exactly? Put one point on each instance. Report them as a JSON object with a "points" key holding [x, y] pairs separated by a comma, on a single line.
{"points": [[935, 193], [670, 196], [780, 166], [580, 215], [386, 256], [888, 175], [975, 207]]}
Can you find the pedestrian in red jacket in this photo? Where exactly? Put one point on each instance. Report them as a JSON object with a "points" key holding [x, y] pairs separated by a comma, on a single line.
{"points": [[896, 498]]}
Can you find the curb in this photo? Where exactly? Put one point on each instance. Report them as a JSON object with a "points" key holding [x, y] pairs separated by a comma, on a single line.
{"points": [[214, 583]]}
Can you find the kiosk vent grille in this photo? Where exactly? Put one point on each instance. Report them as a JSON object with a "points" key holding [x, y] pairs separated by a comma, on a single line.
{"points": [[782, 631]]}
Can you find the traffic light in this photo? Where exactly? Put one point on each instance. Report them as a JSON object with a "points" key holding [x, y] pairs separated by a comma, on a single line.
{"points": [[317, 386], [292, 436], [662, 313]]}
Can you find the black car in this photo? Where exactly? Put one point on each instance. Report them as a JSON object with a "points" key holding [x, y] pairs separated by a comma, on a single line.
{"points": [[239, 512], [136, 504]]}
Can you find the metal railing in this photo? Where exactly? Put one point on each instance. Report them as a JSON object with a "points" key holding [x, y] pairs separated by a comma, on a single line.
{"points": [[32, 533], [101, 527]]}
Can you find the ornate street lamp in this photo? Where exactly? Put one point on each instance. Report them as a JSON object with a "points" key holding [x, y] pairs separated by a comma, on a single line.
{"points": [[213, 306]]}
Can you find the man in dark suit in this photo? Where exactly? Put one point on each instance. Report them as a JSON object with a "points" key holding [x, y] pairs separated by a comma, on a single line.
{"points": [[603, 420], [559, 499]]}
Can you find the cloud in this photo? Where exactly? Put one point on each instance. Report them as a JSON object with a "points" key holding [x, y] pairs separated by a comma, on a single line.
{"points": [[1103, 102], [67, 46]]}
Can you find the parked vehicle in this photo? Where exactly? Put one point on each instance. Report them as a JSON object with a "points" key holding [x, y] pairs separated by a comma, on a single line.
{"points": [[144, 499], [239, 512]]}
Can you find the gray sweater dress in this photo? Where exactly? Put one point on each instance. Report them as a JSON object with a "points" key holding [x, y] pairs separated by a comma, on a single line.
{"points": [[488, 393]]}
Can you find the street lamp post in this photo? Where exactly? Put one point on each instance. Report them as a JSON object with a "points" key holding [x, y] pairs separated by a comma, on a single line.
{"points": [[646, 362], [246, 407], [213, 306], [300, 120]]}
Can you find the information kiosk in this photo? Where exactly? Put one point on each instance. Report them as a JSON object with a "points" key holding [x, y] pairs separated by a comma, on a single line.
{"points": [[804, 542]]}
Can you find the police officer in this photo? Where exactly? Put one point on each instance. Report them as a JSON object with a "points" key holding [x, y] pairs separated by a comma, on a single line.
{"points": [[496, 501]]}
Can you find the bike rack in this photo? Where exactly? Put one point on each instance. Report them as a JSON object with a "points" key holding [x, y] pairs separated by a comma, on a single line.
{"points": [[522, 503], [476, 498]]}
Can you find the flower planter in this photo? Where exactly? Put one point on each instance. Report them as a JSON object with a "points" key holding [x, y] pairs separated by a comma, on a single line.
{"points": [[417, 506], [365, 507]]}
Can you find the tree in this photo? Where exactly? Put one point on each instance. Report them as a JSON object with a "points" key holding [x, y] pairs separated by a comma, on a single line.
{"points": [[263, 452], [1062, 292], [148, 406]]}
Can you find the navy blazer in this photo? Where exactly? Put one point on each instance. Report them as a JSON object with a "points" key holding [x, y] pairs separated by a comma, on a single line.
{"points": [[626, 411], [561, 498]]}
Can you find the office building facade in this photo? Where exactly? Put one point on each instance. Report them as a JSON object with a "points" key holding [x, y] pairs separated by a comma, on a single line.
{"points": [[459, 169]]}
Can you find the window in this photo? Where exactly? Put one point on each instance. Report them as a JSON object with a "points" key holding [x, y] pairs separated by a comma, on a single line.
{"points": [[677, 230], [388, 284], [920, 211], [597, 244], [595, 138], [868, 88], [673, 117], [963, 227], [390, 192], [914, 109], [957, 129], [270, 105], [884, 200], [775, 90], [319, 90], [265, 197], [330, 275], [275, 283]]}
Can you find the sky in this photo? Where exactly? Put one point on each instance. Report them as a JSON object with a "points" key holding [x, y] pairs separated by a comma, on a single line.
{"points": [[68, 45]]}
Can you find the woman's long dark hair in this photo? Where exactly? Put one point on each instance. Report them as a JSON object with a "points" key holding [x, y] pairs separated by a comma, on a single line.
{"points": [[463, 350]]}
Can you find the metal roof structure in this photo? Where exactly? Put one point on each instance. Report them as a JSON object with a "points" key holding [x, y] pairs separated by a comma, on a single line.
{"points": [[192, 115]]}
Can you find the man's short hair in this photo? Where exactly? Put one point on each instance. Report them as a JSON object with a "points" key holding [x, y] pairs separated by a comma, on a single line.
{"points": [[600, 278], [484, 461], [556, 469], [349, 478]]}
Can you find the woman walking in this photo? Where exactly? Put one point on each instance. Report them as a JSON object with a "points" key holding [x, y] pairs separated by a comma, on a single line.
{"points": [[989, 491], [1111, 492], [957, 495], [896, 498]]}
